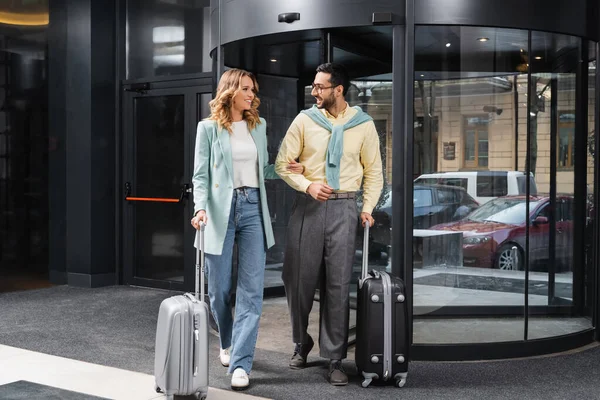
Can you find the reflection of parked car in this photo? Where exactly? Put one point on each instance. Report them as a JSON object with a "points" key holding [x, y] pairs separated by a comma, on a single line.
{"points": [[491, 231], [483, 186], [433, 204]]}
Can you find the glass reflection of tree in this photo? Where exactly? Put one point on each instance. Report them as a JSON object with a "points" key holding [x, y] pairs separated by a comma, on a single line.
{"points": [[426, 142], [537, 106]]}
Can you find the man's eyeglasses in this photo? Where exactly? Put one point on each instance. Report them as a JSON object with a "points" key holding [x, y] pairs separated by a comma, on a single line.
{"points": [[320, 88]]}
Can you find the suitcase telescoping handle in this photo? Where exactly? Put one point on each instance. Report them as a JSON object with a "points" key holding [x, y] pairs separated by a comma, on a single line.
{"points": [[200, 260], [365, 252]]}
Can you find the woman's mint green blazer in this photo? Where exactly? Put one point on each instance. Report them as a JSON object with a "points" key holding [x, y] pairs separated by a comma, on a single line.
{"points": [[213, 181]]}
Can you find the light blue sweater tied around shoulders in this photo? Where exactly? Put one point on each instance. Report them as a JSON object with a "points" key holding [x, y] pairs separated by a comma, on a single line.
{"points": [[336, 143]]}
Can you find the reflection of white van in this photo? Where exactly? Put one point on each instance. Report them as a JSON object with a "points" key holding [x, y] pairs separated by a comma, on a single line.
{"points": [[482, 185]]}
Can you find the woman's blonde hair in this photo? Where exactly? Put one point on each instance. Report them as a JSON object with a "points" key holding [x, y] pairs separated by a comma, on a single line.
{"points": [[220, 107]]}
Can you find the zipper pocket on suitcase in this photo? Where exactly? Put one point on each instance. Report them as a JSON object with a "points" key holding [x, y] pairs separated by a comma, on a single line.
{"points": [[387, 325]]}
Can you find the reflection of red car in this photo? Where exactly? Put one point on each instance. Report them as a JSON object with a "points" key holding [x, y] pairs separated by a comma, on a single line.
{"points": [[491, 231]]}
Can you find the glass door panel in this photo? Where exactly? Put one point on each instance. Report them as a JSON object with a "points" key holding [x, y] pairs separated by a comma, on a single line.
{"points": [[366, 53], [160, 128], [468, 279], [556, 281]]}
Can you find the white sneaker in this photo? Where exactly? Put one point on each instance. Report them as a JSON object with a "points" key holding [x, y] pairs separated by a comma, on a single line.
{"points": [[239, 379], [225, 356]]}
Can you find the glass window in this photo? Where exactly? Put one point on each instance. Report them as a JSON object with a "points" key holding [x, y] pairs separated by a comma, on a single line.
{"points": [[167, 38], [522, 185], [476, 142], [422, 198], [474, 89], [459, 182], [492, 185], [554, 60], [446, 196], [505, 211], [566, 140], [590, 244]]}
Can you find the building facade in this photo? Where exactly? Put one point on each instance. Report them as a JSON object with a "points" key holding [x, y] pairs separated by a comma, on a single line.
{"points": [[468, 99]]}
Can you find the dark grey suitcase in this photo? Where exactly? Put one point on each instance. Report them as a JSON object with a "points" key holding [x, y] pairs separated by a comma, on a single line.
{"points": [[381, 325], [181, 352]]}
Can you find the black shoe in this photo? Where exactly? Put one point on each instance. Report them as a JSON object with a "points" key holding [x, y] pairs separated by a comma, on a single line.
{"points": [[301, 351], [337, 376]]}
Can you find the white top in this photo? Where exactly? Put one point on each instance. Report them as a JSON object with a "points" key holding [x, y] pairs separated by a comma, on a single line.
{"points": [[244, 156]]}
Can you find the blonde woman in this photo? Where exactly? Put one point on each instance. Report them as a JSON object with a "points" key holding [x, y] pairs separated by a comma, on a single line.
{"points": [[230, 166]]}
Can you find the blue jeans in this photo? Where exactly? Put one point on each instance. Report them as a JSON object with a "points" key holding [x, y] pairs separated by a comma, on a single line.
{"points": [[245, 224]]}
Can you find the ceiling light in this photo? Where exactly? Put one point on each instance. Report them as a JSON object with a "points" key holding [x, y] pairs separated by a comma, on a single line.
{"points": [[273, 60], [483, 39], [538, 58], [27, 19], [448, 44], [522, 50], [422, 75]]}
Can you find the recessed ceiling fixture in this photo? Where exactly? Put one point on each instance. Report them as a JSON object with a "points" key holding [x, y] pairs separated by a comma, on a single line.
{"points": [[26, 19], [483, 39], [448, 44], [273, 60], [538, 58], [422, 75]]}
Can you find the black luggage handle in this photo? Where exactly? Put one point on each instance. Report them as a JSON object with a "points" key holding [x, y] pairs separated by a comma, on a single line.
{"points": [[200, 260], [365, 254]]}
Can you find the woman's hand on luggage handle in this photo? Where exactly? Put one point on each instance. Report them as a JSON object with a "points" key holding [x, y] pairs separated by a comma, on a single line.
{"points": [[199, 217], [295, 167], [364, 217]]}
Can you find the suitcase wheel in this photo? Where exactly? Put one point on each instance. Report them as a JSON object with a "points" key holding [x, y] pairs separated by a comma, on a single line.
{"points": [[400, 382], [157, 389], [366, 382]]}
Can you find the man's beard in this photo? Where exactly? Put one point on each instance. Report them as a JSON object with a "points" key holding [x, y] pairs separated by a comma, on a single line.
{"points": [[327, 102]]}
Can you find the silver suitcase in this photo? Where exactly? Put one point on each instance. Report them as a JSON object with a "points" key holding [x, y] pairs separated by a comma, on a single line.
{"points": [[181, 350]]}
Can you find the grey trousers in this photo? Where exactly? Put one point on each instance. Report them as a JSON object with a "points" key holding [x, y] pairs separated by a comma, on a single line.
{"points": [[320, 251]]}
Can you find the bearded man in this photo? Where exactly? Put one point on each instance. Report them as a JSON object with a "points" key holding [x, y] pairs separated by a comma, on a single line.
{"points": [[338, 146]]}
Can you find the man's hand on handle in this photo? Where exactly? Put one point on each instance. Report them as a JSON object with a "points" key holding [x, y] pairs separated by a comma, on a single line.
{"points": [[366, 217], [199, 217], [319, 191]]}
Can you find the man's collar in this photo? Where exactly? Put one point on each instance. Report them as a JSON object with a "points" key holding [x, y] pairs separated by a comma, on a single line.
{"points": [[340, 115]]}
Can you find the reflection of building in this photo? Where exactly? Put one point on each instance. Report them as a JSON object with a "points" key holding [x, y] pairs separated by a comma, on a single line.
{"points": [[473, 127], [493, 141]]}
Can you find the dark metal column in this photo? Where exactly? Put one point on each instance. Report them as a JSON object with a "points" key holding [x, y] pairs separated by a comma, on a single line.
{"points": [[531, 89], [596, 230], [57, 134], [553, 160], [326, 47], [579, 212], [402, 147], [82, 205], [516, 109]]}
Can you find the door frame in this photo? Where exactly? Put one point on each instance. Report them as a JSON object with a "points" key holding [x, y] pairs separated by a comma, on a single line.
{"points": [[191, 87]]}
